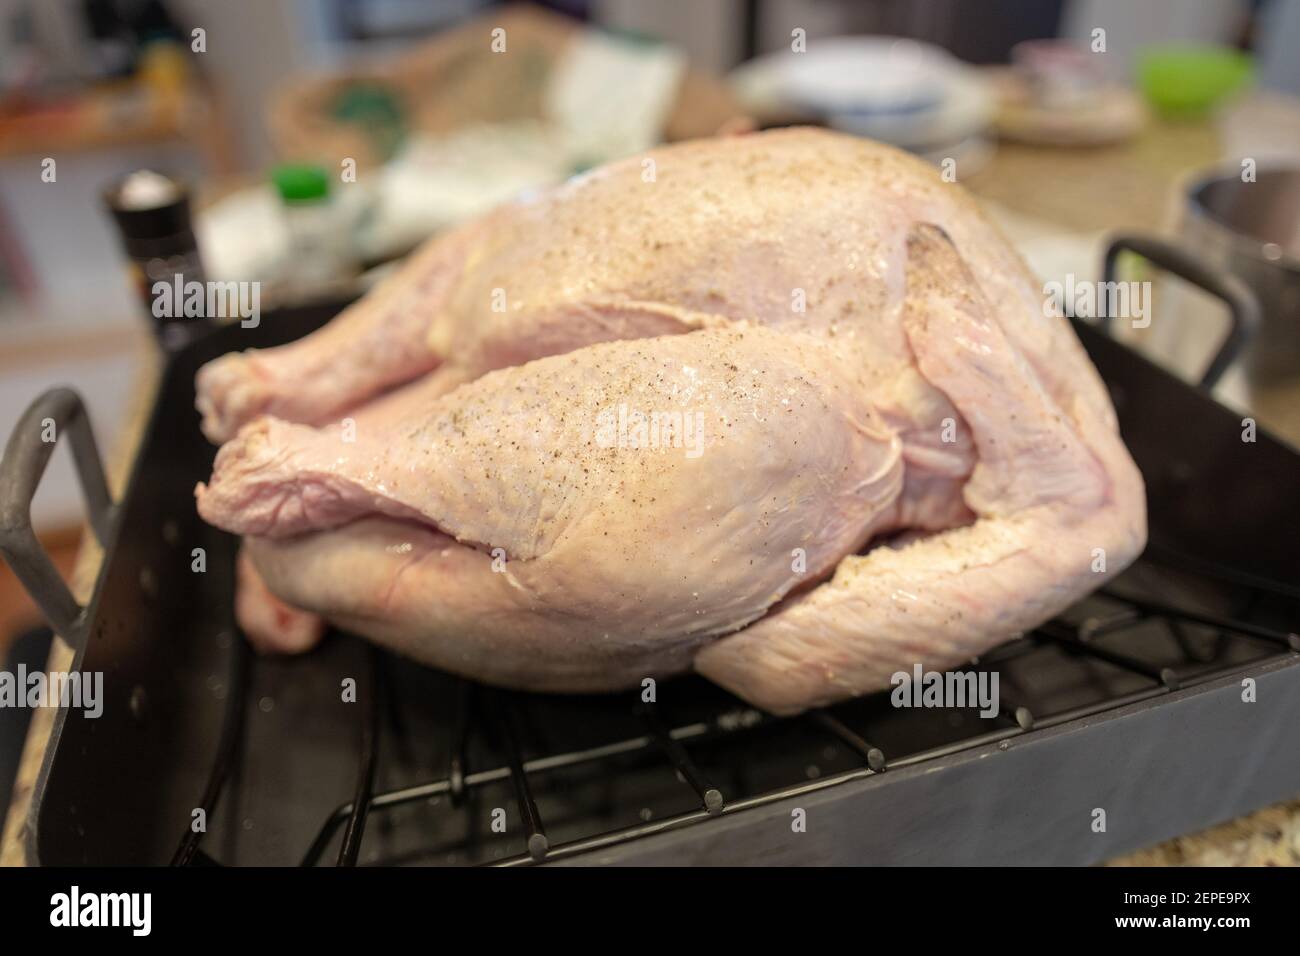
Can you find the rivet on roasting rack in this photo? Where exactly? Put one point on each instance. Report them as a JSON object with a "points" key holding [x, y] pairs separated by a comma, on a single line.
{"points": [[709, 795], [1020, 715], [538, 844], [874, 756]]}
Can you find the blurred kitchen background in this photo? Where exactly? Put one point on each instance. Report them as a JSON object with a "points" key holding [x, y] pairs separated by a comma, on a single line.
{"points": [[315, 141]]}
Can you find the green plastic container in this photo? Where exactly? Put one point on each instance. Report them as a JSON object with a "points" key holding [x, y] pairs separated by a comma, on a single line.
{"points": [[1187, 81], [301, 182]]}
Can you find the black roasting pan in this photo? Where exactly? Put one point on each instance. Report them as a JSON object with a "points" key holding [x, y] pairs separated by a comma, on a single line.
{"points": [[191, 721]]}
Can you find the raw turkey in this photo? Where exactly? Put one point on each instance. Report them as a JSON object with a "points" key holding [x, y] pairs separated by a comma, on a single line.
{"points": [[783, 408]]}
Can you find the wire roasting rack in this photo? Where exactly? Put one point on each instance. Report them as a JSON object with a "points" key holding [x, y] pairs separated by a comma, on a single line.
{"points": [[1180, 646]]}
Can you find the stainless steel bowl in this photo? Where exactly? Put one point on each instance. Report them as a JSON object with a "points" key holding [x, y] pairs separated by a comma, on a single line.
{"points": [[1253, 230]]}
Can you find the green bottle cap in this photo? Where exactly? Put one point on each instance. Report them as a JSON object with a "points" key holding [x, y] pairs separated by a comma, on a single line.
{"points": [[300, 182]]}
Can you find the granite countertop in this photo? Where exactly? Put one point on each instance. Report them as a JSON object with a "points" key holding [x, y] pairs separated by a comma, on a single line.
{"points": [[1133, 186]]}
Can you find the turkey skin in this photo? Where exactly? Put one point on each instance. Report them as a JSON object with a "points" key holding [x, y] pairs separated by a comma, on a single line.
{"points": [[784, 408]]}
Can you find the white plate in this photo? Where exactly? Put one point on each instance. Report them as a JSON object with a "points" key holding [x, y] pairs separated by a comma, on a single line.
{"points": [[899, 91]]}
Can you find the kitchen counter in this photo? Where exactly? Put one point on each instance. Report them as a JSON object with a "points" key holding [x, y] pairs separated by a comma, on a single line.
{"points": [[1128, 186]]}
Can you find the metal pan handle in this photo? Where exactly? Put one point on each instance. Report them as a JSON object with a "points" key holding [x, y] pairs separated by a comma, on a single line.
{"points": [[1243, 307], [26, 456]]}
